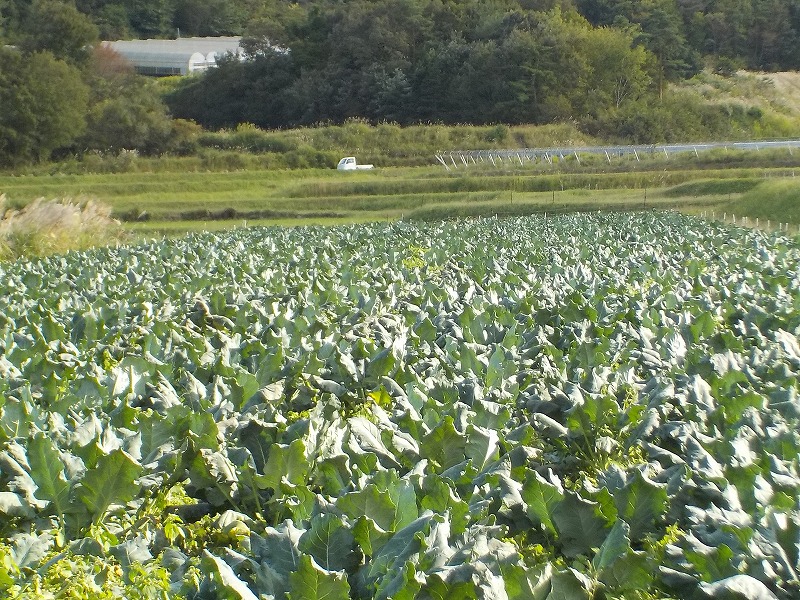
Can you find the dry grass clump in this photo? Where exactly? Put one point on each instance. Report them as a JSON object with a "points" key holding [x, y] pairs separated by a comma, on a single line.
{"points": [[52, 226], [768, 91]]}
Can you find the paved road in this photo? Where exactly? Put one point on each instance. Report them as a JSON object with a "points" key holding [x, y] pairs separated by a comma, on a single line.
{"points": [[458, 158]]}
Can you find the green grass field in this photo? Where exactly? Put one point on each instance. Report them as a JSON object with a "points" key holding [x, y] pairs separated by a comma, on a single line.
{"points": [[174, 202]]}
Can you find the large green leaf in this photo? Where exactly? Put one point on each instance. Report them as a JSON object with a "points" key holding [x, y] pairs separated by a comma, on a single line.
{"points": [[277, 556], [225, 578], [371, 503], [570, 584], [12, 505], [15, 419], [402, 494], [496, 372], [157, 437], [369, 537], [469, 362], [439, 589], [310, 582], [541, 497], [737, 586], [642, 504], [47, 471], [28, 550], [15, 468], [112, 481], [444, 444], [403, 545], [401, 584], [131, 552], [381, 364], [618, 566], [527, 583], [330, 541], [482, 447], [580, 527], [440, 497], [286, 461]]}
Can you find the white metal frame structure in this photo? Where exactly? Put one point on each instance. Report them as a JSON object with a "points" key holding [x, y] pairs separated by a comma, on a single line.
{"points": [[457, 158]]}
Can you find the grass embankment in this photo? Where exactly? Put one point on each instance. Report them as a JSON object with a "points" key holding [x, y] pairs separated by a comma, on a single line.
{"points": [[172, 202], [182, 201], [778, 201], [49, 227], [765, 203], [384, 145]]}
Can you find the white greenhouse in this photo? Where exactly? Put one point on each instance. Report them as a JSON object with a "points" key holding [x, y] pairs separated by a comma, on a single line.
{"points": [[175, 57]]}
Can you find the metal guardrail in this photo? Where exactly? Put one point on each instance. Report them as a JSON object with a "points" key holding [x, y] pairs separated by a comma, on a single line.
{"points": [[466, 158]]}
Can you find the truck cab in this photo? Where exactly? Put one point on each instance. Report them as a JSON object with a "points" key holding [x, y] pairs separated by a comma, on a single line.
{"points": [[349, 163]]}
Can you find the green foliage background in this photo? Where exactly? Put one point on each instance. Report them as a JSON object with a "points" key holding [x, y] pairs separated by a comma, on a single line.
{"points": [[611, 69]]}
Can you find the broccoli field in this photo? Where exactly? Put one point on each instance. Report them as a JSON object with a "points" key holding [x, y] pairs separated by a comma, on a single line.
{"points": [[582, 406]]}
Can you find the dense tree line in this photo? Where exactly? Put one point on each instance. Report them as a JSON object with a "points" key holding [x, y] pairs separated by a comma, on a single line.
{"points": [[61, 92], [411, 61], [753, 34], [604, 64], [450, 61], [756, 34], [124, 19]]}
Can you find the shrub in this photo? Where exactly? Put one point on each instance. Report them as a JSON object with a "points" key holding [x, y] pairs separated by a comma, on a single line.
{"points": [[184, 137]]}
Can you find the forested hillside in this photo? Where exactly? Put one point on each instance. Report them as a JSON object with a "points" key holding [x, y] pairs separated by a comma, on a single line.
{"points": [[756, 34], [509, 61], [610, 67]]}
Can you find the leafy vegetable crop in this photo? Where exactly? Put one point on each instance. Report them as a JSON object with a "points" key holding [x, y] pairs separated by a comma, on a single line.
{"points": [[588, 406]]}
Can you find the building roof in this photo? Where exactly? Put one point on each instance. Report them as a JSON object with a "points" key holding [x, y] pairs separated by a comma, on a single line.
{"points": [[175, 57]]}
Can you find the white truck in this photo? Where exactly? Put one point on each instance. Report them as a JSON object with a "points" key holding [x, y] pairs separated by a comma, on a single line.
{"points": [[348, 163]]}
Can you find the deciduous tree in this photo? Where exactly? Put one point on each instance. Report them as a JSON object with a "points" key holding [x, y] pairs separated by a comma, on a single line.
{"points": [[43, 104], [59, 28], [125, 110]]}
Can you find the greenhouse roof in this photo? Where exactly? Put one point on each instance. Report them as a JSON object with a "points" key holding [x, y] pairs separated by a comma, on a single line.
{"points": [[175, 57]]}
